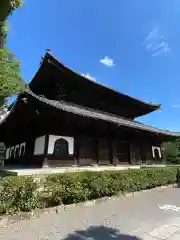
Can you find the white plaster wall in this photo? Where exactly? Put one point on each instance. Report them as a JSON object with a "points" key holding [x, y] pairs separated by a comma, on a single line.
{"points": [[21, 147], [159, 151], [11, 151], [7, 153], [39, 145], [53, 138]]}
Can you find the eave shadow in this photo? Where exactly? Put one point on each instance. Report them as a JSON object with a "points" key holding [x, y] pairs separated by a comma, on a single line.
{"points": [[100, 233]]}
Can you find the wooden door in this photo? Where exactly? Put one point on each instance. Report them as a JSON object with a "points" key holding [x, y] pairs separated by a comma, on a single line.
{"points": [[61, 156], [143, 153], [135, 154], [122, 152], [87, 151], [104, 152]]}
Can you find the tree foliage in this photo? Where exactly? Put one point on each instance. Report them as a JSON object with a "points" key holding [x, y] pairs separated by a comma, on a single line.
{"points": [[172, 152], [10, 80], [7, 6]]}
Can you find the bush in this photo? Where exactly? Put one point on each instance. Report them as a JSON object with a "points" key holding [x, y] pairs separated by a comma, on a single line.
{"points": [[22, 193], [18, 194], [69, 188], [66, 188]]}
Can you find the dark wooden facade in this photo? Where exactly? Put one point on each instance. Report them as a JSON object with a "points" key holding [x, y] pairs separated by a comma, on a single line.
{"points": [[64, 120], [95, 142]]}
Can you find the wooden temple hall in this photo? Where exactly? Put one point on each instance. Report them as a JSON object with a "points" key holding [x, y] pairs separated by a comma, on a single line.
{"points": [[65, 119]]}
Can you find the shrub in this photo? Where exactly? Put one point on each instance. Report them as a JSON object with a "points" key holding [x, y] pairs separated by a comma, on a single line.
{"points": [[18, 194], [22, 193], [66, 188], [69, 188]]}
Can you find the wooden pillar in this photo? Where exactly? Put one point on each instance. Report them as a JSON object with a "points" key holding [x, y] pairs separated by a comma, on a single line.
{"points": [[45, 160], [97, 150], [2, 154], [131, 154], [163, 161], [113, 150], [76, 151], [110, 151]]}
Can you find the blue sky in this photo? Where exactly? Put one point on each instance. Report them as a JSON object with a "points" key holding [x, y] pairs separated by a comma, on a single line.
{"points": [[132, 46]]}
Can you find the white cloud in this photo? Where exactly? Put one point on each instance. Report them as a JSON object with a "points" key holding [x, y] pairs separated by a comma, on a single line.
{"points": [[153, 33], [176, 106], [87, 75], [109, 62], [156, 43]]}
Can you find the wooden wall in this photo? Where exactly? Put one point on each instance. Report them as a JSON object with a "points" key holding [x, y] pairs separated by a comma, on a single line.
{"points": [[95, 141], [91, 151]]}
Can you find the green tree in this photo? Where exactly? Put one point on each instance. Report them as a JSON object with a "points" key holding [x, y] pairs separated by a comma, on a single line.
{"points": [[10, 80], [172, 151], [7, 6]]}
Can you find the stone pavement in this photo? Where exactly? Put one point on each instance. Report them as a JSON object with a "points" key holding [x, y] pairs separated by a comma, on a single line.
{"points": [[151, 215]]}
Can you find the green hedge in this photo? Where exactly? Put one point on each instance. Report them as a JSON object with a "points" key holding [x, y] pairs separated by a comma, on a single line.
{"points": [[19, 194], [76, 187], [22, 193]]}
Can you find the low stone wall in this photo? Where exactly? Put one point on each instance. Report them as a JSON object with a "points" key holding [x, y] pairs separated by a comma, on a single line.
{"points": [[48, 170]]}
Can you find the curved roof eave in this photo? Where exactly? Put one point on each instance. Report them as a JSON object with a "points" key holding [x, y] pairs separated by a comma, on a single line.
{"points": [[87, 112], [50, 57]]}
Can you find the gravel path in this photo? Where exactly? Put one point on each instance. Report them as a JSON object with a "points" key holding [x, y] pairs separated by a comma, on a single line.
{"points": [[138, 217]]}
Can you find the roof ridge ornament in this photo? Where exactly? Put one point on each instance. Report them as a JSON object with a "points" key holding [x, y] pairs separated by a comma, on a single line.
{"points": [[48, 50]]}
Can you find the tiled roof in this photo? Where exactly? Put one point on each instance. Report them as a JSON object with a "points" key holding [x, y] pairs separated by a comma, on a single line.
{"points": [[96, 114], [50, 58]]}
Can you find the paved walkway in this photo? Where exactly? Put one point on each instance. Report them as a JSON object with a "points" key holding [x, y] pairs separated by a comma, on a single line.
{"points": [[146, 216]]}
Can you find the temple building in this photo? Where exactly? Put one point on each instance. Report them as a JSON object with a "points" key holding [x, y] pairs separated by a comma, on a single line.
{"points": [[65, 119]]}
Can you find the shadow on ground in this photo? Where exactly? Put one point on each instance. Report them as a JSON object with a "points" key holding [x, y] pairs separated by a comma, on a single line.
{"points": [[100, 233]]}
